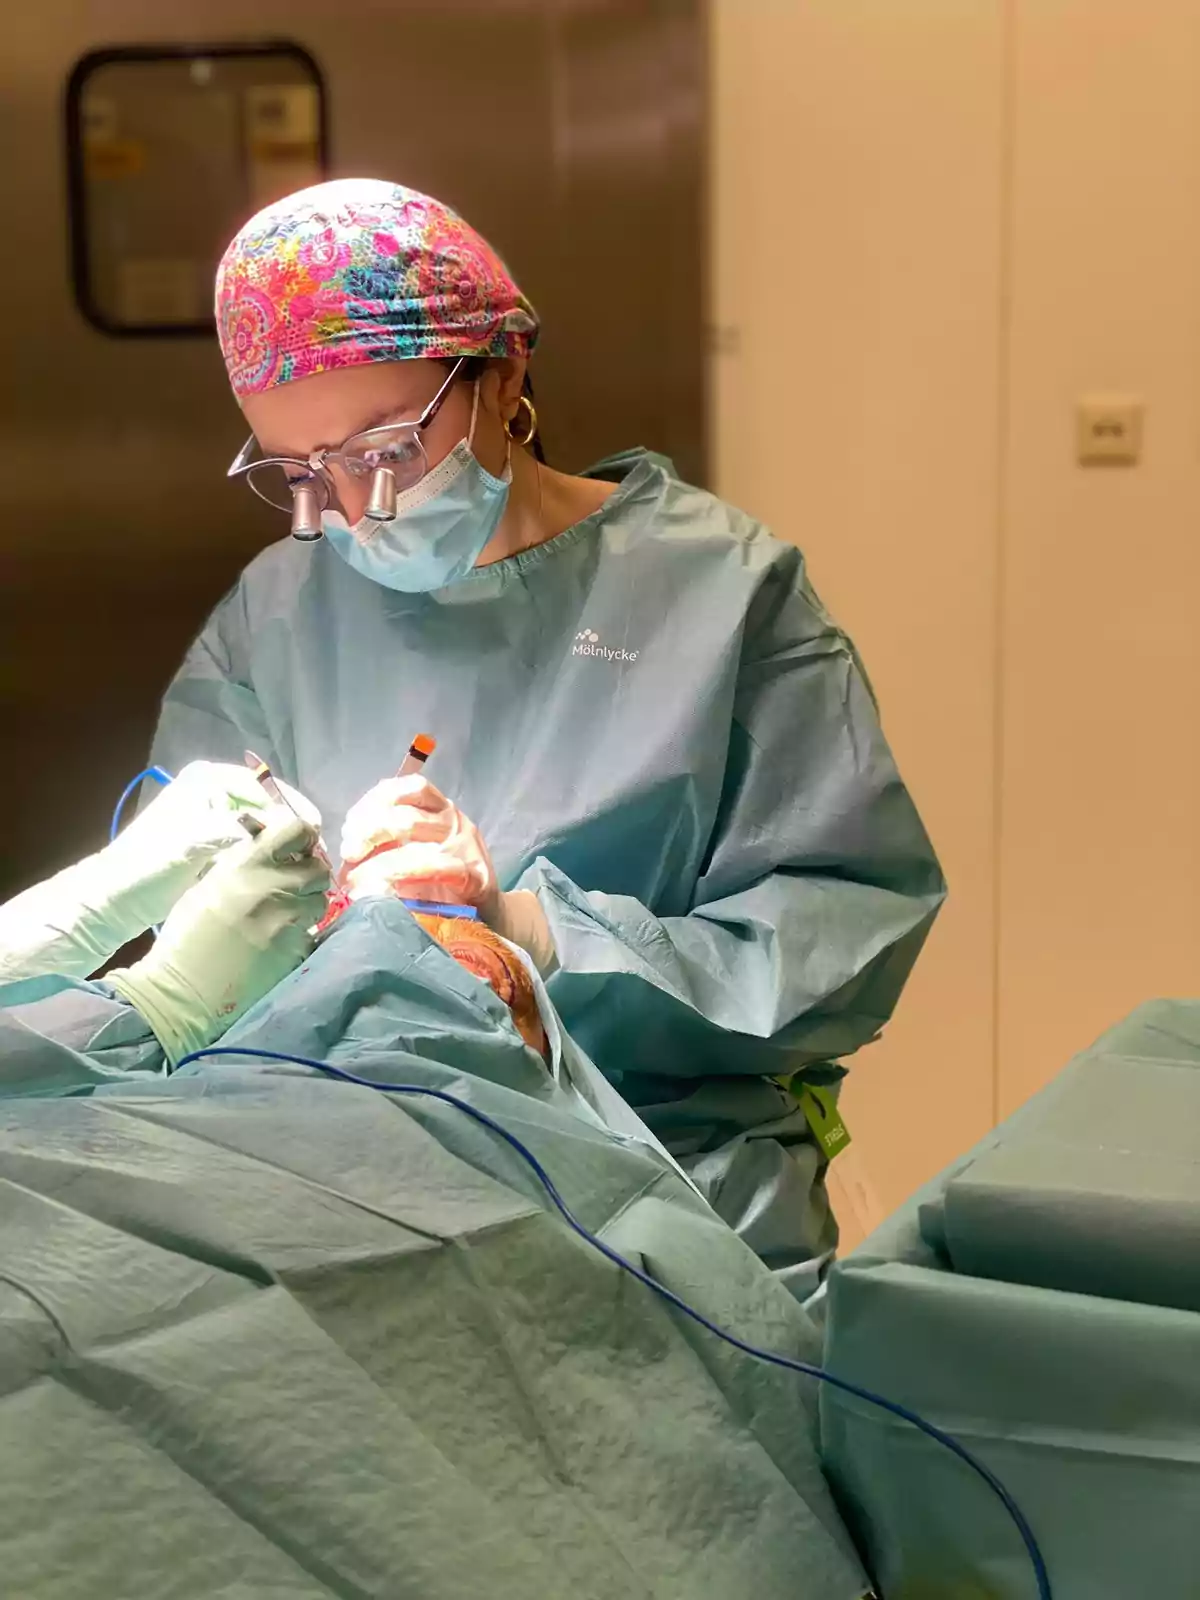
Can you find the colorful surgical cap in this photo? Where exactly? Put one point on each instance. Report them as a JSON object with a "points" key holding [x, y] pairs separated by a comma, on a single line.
{"points": [[360, 270]]}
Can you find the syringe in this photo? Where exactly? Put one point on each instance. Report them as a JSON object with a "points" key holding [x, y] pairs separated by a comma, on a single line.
{"points": [[419, 752]]}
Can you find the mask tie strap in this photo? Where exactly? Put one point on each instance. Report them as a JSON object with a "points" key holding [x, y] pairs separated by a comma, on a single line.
{"points": [[471, 434], [474, 414]]}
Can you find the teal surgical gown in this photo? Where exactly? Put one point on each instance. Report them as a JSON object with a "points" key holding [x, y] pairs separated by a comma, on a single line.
{"points": [[658, 728]]}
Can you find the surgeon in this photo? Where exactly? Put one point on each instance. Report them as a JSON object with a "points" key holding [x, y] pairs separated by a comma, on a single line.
{"points": [[660, 767], [236, 908]]}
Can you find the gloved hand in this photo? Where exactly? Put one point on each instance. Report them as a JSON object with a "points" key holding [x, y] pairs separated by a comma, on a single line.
{"points": [[75, 921], [405, 838], [231, 938]]}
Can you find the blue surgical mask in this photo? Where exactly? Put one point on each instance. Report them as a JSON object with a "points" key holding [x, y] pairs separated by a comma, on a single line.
{"points": [[439, 529]]}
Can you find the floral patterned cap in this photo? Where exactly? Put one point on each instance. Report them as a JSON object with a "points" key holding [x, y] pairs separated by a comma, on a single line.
{"points": [[359, 270]]}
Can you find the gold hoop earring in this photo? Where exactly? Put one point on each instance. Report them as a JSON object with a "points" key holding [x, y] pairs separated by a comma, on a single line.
{"points": [[531, 424]]}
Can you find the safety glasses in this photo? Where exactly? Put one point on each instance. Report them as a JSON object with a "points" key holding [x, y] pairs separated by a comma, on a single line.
{"points": [[392, 457]]}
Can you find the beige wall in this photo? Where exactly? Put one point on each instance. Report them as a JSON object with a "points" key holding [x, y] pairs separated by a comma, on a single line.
{"points": [[934, 224], [1101, 838]]}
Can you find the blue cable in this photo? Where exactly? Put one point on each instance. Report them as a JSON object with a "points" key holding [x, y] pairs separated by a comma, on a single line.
{"points": [[804, 1368], [160, 776]]}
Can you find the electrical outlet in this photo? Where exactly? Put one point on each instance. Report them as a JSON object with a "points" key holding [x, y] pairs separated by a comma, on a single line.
{"points": [[1108, 430]]}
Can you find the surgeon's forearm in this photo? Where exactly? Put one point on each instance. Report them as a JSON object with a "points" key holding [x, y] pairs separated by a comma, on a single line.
{"points": [[522, 920], [51, 928], [795, 970]]}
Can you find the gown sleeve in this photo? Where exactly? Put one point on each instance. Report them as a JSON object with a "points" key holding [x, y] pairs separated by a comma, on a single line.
{"points": [[210, 711], [819, 887]]}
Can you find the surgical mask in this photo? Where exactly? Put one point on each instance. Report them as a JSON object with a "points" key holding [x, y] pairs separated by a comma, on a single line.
{"points": [[438, 529]]}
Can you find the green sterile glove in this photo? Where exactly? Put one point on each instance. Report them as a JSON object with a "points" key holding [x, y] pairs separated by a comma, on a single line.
{"points": [[230, 939], [72, 923], [405, 838]]}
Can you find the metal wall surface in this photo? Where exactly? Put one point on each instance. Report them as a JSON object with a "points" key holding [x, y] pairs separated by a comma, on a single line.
{"points": [[569, 131]]}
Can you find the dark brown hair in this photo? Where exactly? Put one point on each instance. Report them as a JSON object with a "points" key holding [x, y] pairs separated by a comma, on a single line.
{"points": [[475, 367]]}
